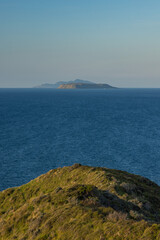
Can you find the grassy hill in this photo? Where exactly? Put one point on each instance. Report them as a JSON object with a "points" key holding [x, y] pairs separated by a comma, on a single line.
{"points": [[83, 203]]}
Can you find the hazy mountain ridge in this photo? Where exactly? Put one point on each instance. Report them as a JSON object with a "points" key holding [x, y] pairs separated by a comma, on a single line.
{"points": [[81, 202], [57, 84]]}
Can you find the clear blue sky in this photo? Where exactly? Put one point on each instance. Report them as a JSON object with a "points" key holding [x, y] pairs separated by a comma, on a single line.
{"points": [[109, 41]]}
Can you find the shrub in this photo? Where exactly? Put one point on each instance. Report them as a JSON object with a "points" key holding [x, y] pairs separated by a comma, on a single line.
{"points": [[117, 216]]}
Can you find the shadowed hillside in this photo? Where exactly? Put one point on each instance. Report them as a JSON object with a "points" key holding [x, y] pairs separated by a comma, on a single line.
{"points": [[81, 202]]}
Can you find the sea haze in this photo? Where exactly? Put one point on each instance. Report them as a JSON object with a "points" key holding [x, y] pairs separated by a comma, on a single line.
{"points": [[41, 129]]}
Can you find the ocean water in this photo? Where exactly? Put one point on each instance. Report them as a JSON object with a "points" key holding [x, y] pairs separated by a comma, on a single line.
{"points": [[42, 129]]}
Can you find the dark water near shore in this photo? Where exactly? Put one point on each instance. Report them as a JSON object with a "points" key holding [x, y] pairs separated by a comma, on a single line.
{"points": [[41, 129]]}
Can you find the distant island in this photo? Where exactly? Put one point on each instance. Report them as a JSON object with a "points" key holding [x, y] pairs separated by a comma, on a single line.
{"points": [[76, 84], [85, 86], [82, 202]]}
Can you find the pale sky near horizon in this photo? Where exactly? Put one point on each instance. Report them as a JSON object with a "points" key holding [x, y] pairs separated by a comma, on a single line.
{"points": [[115, 42]]}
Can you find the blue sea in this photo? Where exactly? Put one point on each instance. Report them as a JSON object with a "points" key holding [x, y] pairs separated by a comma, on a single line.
{"points": [[42, 129]]}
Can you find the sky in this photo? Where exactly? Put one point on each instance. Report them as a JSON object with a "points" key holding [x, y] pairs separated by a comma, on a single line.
{"points": [[105, 41]]}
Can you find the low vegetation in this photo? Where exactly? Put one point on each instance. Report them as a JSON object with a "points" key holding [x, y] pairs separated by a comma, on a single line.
{"points": [[83, 203]]}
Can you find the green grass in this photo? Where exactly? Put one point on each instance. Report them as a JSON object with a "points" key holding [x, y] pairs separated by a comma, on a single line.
{"points": [[81, 202]]}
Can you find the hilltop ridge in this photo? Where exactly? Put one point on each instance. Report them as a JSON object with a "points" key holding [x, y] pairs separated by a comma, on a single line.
{"points": [[82, 202]]}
